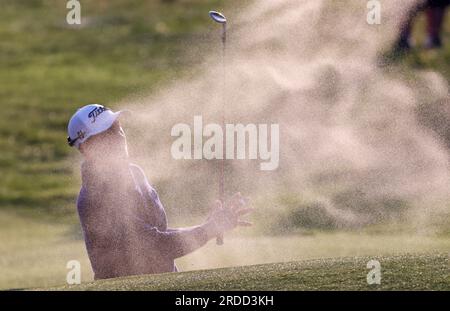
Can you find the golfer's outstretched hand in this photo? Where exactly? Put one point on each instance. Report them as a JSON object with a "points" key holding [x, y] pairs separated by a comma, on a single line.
{"points": [[226, 217]]}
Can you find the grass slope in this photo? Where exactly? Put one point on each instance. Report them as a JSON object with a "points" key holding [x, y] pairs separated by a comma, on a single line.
{"points": [[406, 272]]}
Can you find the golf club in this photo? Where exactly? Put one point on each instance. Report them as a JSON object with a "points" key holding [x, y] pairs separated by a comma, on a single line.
{"points": [[221, 19]]}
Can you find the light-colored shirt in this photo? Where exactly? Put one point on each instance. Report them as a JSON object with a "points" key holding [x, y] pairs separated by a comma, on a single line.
{"points": [[130, 236]]}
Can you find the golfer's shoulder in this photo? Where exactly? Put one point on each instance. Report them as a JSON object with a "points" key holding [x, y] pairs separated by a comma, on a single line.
{"points": [[82, 202], [144, 184], [82, 194]]}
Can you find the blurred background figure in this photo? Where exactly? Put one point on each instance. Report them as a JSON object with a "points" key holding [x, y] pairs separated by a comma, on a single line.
{"points": [[435, 13]]}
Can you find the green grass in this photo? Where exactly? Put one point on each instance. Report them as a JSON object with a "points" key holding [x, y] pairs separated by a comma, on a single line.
{"points": [[35, 254], [406, 272]]}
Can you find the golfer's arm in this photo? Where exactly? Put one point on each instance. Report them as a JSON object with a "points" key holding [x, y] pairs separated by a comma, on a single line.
{"points": [[179, 242]]}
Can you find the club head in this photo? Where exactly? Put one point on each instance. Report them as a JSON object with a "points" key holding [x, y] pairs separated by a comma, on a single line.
{"points": [[218, 17]]}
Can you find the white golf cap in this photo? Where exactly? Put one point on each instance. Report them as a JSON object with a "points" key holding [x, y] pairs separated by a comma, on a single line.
{"points": [[88, 121]]}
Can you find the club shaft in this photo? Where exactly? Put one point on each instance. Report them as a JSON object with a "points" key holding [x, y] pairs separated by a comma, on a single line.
{"points": [[219, 239]]}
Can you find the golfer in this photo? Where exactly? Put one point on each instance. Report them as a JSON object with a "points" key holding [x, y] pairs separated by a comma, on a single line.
{"points": [[123, 220]]}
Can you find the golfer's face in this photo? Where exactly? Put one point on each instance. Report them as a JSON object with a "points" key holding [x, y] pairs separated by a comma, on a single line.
{"points": [[111, 143]]}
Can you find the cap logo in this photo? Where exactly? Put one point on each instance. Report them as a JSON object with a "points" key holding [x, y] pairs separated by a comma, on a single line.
{"points": [[96, 112], [80, 134]]}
